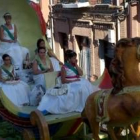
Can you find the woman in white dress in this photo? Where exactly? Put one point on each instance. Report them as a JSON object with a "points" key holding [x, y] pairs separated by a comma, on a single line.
{"points": [[78, 89], [9, 43], [40, 66], [54, 60], [15, 90]]}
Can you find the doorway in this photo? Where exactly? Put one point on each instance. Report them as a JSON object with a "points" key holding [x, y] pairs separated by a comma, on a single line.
{"points": [[83, 44], [63, 40]]}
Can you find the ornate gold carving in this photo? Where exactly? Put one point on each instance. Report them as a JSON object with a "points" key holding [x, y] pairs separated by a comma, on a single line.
{"points": [[102, 17], [81, 24], [37, 119], [102, 26]]}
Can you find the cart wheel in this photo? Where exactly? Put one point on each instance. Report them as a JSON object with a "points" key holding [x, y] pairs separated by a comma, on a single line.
{"points": [[37, 119]]}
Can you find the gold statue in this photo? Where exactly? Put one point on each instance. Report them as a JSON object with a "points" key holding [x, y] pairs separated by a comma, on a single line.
{"points": [[119, 106]]}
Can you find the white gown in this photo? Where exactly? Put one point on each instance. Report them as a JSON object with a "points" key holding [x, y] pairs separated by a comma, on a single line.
{"points": [[73, 100], [17, 52], [55, 64], [39, 79], [16, 93]]}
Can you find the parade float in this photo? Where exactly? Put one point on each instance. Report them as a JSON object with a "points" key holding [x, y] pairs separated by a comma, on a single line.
{"points": [[32, 123]]}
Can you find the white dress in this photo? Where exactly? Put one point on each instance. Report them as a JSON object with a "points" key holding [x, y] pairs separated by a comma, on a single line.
{"points": [[55, 64], [16, 93], [39, 79], [73, 100], [17, 52]]}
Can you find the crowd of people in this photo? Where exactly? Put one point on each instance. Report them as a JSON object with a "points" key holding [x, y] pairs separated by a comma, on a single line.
{"points": [[68, 95]]}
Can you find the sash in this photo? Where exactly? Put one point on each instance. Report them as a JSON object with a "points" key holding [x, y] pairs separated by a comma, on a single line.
{"points": [[72, 68], [42, 67], [8, 32], [7, 71]]}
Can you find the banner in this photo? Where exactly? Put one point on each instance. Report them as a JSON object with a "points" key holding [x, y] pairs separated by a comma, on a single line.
{"points": [[37, 8]]}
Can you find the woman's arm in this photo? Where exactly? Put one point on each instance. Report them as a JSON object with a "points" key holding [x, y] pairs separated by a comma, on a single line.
{"points": [[1, 79], [63, 77], [51, 54], [35, 69], [15, 33], [2, 36], [80, 72]]}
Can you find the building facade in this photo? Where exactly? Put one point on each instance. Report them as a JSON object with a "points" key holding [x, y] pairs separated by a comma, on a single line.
{"points": [[93, 29], [89, 30]]}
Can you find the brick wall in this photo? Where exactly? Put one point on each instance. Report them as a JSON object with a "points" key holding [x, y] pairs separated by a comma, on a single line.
{"points": [[138, 12], [123, 29]]}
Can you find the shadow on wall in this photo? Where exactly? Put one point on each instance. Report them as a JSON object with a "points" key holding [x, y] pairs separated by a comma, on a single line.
{"points": [[25, 19]]}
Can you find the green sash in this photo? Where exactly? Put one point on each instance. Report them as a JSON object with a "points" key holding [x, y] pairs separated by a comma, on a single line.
{"points": [[7, 71], [72, 68], [8, 32], [42, 66]]}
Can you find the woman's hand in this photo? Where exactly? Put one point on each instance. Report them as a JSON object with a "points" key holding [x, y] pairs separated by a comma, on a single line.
{"points": [[10, 41], [60, 63], [47, 70], [5, 80]]}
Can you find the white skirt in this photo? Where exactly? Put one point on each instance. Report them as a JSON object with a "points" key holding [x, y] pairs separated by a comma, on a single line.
{"points": [[39, 79], [17, 52], [17, 93], [74, 100]]}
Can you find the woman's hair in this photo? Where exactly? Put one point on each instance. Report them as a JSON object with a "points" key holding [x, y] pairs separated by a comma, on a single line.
{"points": [[69, 54], [41, 48], [7, 15], [39, 41], [4, 56]]}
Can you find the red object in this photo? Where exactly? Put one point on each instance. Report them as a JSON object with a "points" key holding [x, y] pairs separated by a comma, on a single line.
{"points": [[106, 82], [21, 122], [37, 8]]}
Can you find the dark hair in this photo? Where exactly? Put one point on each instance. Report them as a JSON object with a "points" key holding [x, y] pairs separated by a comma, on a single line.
{"points": [[7, 15], [69, 54], [4, 56], [40, 48], [39, 41]]}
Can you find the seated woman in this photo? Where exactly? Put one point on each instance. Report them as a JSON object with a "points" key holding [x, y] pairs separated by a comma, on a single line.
{"points": [[40, 66], [9, 43], [78, 89], [55, 61], [16, 90]]}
